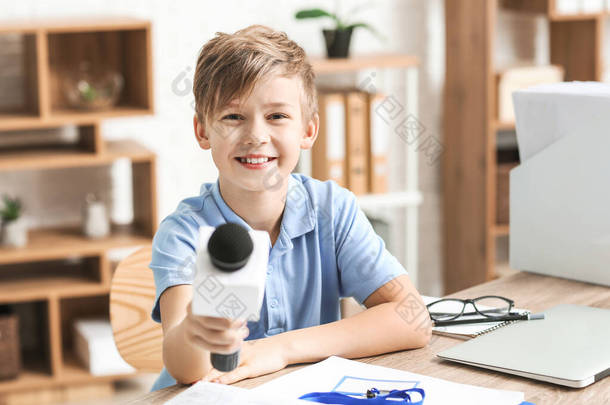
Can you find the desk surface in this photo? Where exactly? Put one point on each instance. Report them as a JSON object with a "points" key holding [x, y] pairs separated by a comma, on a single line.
{"points": [[530, 291]]}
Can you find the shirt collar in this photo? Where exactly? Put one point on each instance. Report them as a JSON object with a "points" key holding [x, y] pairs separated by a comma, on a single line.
{"points": [[298, 217]]}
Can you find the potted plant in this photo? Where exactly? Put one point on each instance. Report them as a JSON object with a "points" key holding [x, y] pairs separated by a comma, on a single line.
{"points": [[338, 38], [14, 229]]}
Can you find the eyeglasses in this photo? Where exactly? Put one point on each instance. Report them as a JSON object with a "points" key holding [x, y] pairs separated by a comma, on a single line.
{"points": [[444, 312]]}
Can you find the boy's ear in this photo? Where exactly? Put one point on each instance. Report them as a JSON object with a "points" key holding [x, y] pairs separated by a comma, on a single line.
{"points": [[200, 134], [311, 132]]}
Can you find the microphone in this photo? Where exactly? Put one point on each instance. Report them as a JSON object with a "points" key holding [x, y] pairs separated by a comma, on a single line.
{"points": [[231, 269]]}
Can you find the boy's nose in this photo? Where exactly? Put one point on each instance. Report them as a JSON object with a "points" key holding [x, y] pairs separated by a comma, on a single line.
{"points": [[256, 133], [253, 138]]}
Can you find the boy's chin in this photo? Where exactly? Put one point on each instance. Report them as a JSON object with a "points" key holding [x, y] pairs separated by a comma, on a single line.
{"points": [[268, 183]]}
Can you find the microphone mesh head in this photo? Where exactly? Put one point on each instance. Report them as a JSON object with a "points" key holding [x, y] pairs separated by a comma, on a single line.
{"points": [[230, 247]]}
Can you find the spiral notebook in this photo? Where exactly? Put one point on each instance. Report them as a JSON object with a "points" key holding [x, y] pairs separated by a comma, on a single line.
{"points": [[467, 331]]}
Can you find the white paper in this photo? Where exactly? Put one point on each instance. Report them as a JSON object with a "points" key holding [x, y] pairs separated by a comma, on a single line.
{"points": [[205, 393], [336, 373]]}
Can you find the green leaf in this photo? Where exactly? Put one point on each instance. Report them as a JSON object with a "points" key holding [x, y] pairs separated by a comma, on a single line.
{"points": [[317, 13], [313, 13]]}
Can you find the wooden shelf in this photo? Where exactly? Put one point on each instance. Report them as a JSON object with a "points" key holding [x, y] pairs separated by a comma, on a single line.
{"points": [[77, 116], [576, 17], [30, 377], [43, 288], [60, 243], [72, 24], [34, 377], [358, 62], [59, 267], [19, 120], [14, 121], [501, 230], [74, 372], [66, 157], [54, 48], [504, 126], [470, 161]]}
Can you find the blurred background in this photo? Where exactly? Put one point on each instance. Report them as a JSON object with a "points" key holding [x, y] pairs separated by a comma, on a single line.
{"points": [[97, 146]]}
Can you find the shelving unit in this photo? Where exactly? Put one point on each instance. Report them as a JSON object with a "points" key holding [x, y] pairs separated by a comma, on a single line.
{"points": [[64, 274], [411, 197], [470, 162], [52, 47]]}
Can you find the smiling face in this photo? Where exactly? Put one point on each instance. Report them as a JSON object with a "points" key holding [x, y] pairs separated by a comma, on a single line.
{"points": [[255, 142]]}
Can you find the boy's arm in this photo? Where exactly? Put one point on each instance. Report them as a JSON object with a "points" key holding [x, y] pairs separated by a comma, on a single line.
{"points": [[395, 319], [184, 361]]}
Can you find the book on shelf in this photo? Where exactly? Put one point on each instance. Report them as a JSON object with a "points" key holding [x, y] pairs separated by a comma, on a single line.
{"points": [[353, 141], [356, 142], [379, 140], [328, 152]]}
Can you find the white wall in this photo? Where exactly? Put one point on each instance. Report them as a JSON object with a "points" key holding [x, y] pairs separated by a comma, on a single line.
{"points": [[180, 28]]}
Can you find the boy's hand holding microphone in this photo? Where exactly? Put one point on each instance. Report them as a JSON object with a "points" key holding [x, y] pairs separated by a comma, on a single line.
{"points": [[228, 290]]}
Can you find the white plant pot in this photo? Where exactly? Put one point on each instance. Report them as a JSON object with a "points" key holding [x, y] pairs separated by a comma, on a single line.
{"points": [[15, 233]]}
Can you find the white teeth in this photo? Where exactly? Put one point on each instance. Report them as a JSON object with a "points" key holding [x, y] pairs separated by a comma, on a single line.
{"points": [[254, 160]]}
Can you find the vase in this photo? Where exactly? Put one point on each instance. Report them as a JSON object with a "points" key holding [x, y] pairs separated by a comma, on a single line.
{"points": [[92, 87], [15, 233], [337, 42], [95, 219]]}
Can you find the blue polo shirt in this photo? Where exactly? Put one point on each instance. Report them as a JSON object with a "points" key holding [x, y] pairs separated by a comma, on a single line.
{"points": [[326, 249]]}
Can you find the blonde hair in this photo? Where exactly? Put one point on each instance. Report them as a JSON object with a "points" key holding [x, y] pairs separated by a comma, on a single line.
{"points": [[230, 65]]}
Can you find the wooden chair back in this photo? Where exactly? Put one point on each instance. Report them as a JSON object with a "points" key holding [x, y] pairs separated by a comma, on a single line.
{"points": [[139, 339]]}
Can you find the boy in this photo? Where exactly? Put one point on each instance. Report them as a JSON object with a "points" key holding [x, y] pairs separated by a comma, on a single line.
{"points": [[255, 110]]}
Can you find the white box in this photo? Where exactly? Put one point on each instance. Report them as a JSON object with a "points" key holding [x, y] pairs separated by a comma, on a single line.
{"points": [[95, 347], [549, 112], [559, 195]]}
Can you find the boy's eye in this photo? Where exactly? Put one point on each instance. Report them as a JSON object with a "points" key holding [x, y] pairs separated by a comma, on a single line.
{"points": [[232, 117], [277, 116]]}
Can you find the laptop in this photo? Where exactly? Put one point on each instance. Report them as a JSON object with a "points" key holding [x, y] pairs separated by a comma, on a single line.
{"points": [[570, 347]]}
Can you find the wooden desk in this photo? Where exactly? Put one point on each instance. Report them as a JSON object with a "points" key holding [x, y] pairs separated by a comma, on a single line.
{"points": [[530, 291]]}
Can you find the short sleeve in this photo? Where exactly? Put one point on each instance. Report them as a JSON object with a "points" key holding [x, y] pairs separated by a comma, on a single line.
{"points": [[363, 261], [173, 255]]}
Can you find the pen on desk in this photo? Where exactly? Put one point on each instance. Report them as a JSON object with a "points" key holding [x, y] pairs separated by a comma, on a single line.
{"points": [[520, 317]]}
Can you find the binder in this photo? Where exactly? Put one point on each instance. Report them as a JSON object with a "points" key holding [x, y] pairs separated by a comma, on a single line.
{"points": [[328, 152], [379, 140], [356, 143]]}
